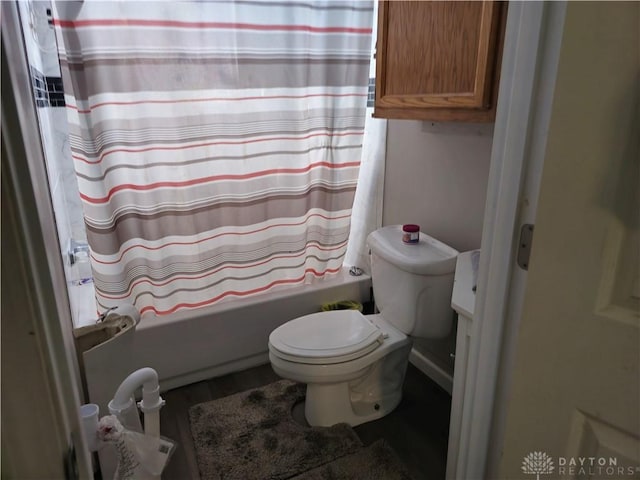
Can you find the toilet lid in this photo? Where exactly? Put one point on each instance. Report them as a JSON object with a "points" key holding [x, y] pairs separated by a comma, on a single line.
{"points": [[326, 337]]}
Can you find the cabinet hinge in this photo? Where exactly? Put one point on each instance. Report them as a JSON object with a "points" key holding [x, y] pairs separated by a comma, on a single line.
{"points": [[524, 245]]}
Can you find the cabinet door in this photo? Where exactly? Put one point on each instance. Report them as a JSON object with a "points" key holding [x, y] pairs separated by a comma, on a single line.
{"points": [[437, 59]]}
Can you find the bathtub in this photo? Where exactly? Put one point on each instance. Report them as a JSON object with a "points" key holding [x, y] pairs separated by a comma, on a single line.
{"points": [[234, 335], [195, 345]]}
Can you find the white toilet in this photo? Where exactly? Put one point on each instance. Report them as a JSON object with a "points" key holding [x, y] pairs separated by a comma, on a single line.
{"points": [[353, 364]]}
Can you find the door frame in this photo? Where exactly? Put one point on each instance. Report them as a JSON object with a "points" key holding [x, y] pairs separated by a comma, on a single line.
{"points": [[42, 324], [529, 69]]}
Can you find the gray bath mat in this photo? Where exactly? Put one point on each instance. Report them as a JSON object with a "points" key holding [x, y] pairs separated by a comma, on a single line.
{"points": [[376, 462], [252, 436]]}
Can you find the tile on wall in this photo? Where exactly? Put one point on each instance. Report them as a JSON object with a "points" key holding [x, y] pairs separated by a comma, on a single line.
{"points": [[47, 91]]}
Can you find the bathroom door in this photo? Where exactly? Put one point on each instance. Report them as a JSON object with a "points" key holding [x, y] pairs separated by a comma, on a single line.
{"points": [[574, 406]]}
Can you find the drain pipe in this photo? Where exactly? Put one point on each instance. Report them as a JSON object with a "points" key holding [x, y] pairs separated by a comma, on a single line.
{"points": [[123, 404]]}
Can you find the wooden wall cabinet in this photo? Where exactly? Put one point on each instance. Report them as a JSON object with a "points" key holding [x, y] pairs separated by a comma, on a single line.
{"points": [[438, 60]]}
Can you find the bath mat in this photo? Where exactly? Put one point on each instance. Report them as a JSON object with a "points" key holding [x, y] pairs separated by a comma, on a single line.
{"points": [[376, 462], [252, 436]]}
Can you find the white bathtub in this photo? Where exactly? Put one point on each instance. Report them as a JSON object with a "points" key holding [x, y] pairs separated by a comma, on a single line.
{"points": [[200, 344], [195, 345]]}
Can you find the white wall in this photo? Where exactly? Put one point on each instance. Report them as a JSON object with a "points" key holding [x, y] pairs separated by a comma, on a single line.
{"points": [[436, 176]]}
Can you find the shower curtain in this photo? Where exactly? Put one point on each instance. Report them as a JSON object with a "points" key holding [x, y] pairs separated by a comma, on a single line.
{"points": [[216, 144]]}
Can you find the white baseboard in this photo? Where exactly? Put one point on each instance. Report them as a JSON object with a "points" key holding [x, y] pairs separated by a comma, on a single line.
{"points": [[431, 370], [217, 371]]}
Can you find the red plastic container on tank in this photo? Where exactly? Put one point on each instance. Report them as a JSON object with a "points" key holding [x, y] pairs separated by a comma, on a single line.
{"points": [[410, 233]]}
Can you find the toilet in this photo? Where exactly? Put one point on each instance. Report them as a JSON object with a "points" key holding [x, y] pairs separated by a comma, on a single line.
{"points": [[354, 364]]}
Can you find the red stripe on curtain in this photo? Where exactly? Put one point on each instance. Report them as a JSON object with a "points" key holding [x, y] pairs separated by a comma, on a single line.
{"points": [[215, 178], [240, 294], [114, 22]]}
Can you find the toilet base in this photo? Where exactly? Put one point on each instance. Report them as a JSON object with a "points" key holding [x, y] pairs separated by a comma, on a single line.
{"points": [[327, 405], [372, 395]]}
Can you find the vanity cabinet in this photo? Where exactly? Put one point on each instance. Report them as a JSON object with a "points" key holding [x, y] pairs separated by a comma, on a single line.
{"points": [[460, 378], [438, 60]]}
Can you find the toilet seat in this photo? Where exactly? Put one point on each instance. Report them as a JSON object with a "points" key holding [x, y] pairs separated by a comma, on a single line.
{"points": [[326, 338]]}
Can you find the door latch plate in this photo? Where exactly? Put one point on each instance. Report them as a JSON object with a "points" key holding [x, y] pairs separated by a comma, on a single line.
{"points": [[524, 247]]}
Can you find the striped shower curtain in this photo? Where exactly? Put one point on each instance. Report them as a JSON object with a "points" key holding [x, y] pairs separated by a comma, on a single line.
{"points": [[216, 144]]}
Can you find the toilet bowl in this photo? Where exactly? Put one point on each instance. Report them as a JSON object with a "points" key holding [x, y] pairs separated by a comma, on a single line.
{"points": [[354, 364], [353, 378]]}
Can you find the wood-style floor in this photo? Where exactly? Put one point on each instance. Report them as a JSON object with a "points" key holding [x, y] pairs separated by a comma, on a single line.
{"points": [[417, 429]]}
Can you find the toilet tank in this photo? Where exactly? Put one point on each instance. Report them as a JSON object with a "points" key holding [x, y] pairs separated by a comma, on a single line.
{"points": [[412, 283]]}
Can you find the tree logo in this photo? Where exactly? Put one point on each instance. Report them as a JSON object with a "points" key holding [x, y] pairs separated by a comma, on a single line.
{"points": [[537, 463]]}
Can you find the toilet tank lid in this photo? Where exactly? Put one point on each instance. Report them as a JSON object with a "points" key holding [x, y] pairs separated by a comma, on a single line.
{"points": [[427, 257]]}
